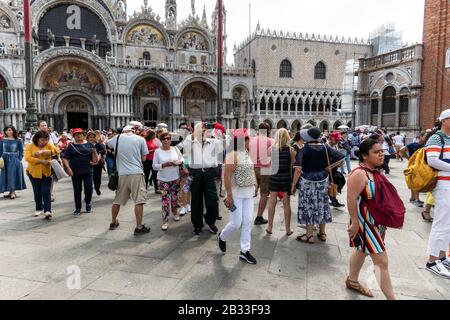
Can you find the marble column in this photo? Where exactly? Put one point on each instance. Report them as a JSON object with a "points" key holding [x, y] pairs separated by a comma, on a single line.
{"points": [[397, 111]]}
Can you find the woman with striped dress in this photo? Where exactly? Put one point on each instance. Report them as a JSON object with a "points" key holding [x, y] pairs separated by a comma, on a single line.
{"points": [[366, 236]]}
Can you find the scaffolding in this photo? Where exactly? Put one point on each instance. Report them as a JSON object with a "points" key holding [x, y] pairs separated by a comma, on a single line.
{"points": [[385, 39]]}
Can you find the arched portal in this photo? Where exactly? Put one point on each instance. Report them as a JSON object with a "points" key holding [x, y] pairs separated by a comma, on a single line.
{"points": [[282, 124], [151, 100], [3, 93], [388, 107], [76, 112], [337, 124], [150, 115], [296, 126], [199, 103], [324, 126]]}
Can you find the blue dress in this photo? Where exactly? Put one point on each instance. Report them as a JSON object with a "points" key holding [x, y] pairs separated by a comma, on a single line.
{"points": [[12, 177]]}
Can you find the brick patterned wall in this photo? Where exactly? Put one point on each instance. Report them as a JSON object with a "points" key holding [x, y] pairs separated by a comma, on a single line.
{"points": [[435, 77]]}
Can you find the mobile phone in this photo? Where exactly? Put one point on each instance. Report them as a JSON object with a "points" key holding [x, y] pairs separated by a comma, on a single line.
{"points": [[232, 208]]}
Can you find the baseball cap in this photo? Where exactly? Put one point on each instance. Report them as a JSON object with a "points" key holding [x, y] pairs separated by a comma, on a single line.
{"points": [[77, 130], [445, 115]]}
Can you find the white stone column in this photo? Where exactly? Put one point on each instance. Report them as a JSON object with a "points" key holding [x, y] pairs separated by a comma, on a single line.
{"points": [[397, 111], [380, 112], [24, 95]]}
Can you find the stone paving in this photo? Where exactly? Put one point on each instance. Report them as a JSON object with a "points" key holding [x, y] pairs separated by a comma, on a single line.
{"points": [[35, 255]]}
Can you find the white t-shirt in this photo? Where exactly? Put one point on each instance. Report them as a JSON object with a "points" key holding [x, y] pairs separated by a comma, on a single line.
{"points": [[386, 149], [398, 140], [167, 174]]}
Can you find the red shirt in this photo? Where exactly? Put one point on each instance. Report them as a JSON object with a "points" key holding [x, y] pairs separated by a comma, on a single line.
{"points": [[152, 146]]}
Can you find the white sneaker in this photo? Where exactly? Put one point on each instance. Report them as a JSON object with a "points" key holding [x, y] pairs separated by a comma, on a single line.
{"points": [[438, 269], [183, 211], [48, 215], [188, 208], [446, 262], [38, 213]]}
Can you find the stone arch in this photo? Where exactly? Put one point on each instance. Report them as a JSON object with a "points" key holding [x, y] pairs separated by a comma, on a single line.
{"points": [[11, 16], [253, 124], [57, 54], [296, 126], [40, 7], [242, 86], [195, 30], [153, 74], [270, 123], [70, 91], [350, 124], [5, 74], [337, 124], [189, 81], [246, 124], [282, 124], [136, 22], [325, 125]]}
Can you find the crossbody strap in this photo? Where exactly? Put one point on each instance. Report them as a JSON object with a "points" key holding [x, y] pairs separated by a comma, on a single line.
{"points": [[115, 153], [329, 164]]}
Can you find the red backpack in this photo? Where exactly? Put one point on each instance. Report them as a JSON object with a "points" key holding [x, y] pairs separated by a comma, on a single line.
{"points": [[387, 208]]}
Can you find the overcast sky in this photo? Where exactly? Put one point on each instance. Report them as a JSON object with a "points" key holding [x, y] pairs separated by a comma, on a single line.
{"points": [[349, 18]]}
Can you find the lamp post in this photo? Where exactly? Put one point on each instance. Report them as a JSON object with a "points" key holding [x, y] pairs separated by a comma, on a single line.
{"points": [[31, 116], [220, 63]]}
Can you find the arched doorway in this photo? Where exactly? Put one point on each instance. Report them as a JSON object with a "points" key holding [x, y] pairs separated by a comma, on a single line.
{"points": [[150, 115], [388, 107], [3, 93], [253, 125], [296, 126], [77, 112], [324, 126], [151, 101], [199, 103], [282, 124], [312, 122], [337, 124], [269, 123]]}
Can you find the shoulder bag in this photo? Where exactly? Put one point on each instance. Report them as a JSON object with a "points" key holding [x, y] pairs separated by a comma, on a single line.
{"points": [[332, 187], [113, 182]]}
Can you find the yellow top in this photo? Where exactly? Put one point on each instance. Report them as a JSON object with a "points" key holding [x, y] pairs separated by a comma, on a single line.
{"points": [[38, 170]]}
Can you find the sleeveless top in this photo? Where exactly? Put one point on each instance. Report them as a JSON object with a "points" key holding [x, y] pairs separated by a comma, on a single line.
{"points": [[243, 178]]}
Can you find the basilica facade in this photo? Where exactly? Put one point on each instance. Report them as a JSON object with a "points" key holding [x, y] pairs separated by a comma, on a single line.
{"points": [[97, 67]]}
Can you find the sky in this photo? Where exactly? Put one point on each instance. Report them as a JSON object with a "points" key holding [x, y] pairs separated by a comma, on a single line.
{"points": [[348, 18]]}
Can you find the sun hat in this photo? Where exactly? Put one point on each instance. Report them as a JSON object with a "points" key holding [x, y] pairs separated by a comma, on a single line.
{"points": [[311, 135], [128, 129]]}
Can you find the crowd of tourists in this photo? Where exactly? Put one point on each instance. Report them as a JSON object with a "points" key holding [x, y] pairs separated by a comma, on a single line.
{"points": [[193, 168]]}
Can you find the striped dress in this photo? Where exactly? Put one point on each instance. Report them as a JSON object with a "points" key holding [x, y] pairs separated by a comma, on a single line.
{"points": [[370, 238]]}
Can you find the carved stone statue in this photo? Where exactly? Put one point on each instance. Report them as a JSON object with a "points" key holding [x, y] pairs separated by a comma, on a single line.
{"points": [[50, 38], [193, 7], [94, 43]]}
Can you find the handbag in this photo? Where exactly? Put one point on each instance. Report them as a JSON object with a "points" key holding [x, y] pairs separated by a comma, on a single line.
{"points": [[2, 163], [332, 187], [58, 170], [113, 182]]}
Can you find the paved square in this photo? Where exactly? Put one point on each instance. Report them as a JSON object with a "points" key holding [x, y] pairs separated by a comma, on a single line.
{"points": [[35, 255]]}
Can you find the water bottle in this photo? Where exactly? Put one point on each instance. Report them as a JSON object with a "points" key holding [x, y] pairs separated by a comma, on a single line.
{"points": [[187, 185]]}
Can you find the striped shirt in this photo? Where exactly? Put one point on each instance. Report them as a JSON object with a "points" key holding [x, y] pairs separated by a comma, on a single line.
{"points": [[434, 149]]}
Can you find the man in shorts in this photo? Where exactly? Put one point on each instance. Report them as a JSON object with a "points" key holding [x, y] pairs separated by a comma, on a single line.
{"points": [[259, 147], [131, 152]]}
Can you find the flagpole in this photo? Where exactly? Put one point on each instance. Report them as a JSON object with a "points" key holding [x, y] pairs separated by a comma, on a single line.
{"points": [[220, 64], [31, 116]]}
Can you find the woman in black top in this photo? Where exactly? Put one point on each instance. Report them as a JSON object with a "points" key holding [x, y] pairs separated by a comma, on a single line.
{"points": [[282, 158], [313, 171], [94, 138], [79, 159]]}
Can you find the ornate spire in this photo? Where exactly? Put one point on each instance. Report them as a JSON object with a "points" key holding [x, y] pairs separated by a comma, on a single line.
{"points": [[171, 14], [193, 8], [204, 19]]}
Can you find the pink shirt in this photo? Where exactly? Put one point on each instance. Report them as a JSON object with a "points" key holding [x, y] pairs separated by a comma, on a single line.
{"points": [[152, 146], [259, 147]]}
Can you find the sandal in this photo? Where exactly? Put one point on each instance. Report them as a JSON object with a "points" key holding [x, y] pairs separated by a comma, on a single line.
{"points": [[322, 237], [7, 196], [305, 239], [430, 220], [268, 232], [114, 226], [356, 286], [12, 197], [290, 233]]}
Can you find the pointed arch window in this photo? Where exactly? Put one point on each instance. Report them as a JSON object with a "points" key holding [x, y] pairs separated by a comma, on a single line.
{"points": [[286, 69], [320, 71], [146, 56]]}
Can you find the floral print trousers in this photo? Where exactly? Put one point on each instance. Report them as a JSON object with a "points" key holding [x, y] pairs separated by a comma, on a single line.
{"points": [[169, 194]]}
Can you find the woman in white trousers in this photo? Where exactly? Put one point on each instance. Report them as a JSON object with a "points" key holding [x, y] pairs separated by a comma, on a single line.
{"points": [[240, 183]]}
